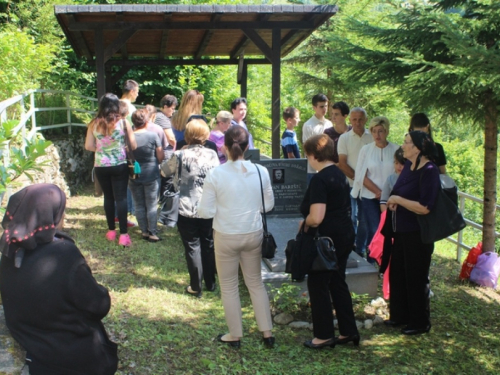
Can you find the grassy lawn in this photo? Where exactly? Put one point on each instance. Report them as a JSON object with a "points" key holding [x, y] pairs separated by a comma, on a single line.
{"points": [[161, 330]]}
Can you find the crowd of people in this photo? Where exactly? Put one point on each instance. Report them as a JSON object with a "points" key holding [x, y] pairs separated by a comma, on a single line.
{"points": [[353, 175]]}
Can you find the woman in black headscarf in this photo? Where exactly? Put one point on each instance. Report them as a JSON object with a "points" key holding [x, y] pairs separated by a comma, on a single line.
{"points": [[413, 194], [53, 305]]}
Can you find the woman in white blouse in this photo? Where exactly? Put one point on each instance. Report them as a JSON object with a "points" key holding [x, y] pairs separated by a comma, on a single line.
{"points": [[375, 164], [232, 197]]}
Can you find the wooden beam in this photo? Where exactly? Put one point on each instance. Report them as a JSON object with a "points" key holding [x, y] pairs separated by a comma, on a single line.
{"points": [[206, 38], [244, 80], [118, 75], [276, 93], [244, 42], [221, 25], [173, 62], [259, 42], [118, 43], [79, 39]]}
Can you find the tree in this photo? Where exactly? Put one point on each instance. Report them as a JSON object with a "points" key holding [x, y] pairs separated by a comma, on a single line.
{"points": [[440, 56]]}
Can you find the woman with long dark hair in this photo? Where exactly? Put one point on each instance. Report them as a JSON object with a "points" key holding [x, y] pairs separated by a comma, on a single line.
{"points": [[106, 137]]}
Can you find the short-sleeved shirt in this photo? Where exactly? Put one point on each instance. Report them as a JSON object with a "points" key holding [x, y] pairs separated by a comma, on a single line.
{"points": [[330, 186], [422, 186], [217, 137], [311, 127], [334, 135], [387, 188], [110, 149], [145, 154], [131, 109], [289, 144], [154, 128], [350, 144]]}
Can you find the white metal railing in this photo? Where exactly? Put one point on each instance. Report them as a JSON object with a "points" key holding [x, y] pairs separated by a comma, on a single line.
{"points": [[459, 241], [91, 109]]}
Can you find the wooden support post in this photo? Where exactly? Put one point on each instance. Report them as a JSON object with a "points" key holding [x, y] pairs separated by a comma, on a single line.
{"points": [[99, 63], [276, 92], [244, 80]]}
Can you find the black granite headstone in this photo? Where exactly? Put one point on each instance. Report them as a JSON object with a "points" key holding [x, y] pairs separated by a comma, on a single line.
{"points": [[289, 182]]}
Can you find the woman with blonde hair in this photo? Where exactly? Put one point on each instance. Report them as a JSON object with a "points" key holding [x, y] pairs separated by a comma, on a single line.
{"points": [[222, 123], [232, 196], [193, 163], [106, 137], [375, 164], [191, 105]]}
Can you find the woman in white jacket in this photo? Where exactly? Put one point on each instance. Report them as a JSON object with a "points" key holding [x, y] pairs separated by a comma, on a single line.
{"points": [[375, 164], [232, 197]]}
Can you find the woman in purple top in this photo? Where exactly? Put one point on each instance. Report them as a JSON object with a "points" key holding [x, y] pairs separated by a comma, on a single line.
{"points": [[413, 194], [222, 123]]}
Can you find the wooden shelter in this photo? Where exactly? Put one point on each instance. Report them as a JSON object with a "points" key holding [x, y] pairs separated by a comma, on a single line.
{"points": [[159, 35]]}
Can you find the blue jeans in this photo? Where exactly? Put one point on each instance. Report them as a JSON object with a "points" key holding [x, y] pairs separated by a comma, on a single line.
{"points": [[145, 196], [361, 232], [371, 217]]}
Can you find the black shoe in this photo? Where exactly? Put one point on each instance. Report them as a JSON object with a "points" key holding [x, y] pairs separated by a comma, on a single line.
{"points": [[192, 292], [212, 289], [268, 341], [157, 239], [408, 330], [346, 340], [392, 323], [330, 343], [415, 331], [233, 344]]}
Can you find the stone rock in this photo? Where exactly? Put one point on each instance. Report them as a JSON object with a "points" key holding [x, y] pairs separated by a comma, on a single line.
{"points": [[359, 324], [283, 318], [379, 302], [335, 323], [310, 327], [378, 320], [299, 324], [368, 324]]}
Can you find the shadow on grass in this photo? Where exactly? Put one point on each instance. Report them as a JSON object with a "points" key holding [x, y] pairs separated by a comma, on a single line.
{"points": [[161, 330]]}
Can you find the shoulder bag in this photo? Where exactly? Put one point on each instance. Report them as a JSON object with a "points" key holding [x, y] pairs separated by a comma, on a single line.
{"points": [[442, 221], [268, 242], [309, 253], [134, 169]]}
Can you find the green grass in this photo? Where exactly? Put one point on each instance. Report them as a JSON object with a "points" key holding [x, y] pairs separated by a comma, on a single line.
{"points": [[161, 330]]}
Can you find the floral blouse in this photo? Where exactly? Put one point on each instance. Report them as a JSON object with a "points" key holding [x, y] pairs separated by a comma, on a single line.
{"points": [[110, 149]]}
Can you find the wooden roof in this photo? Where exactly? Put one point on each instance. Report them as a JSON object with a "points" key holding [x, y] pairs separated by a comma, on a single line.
{"points": [[156, 32]]}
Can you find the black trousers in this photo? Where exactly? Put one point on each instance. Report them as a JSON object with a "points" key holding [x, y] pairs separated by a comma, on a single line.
{"points": [[409, 280], [114, 183], [197, 238], [330, 287]]}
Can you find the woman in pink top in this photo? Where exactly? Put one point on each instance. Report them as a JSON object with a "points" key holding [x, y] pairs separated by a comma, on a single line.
{"points": [[106, 137]]}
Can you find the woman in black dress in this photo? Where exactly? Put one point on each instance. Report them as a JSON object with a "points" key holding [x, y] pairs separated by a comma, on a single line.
{"points": [[327, 208]]}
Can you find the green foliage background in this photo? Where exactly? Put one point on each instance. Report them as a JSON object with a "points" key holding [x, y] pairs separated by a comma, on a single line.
{"points": [[35, 54]]}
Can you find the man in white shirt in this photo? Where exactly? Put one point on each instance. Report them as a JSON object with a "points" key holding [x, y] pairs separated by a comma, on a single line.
{"points": [[130, 91], [317, 124], [349, 145]]}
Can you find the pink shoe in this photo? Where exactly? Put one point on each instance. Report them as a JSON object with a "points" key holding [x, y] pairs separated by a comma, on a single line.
{"points": [[130, 224], [111, 235], [124, 240]]}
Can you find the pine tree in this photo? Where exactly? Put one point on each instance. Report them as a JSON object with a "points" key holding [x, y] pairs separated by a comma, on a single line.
{"points": [[442, 56]]}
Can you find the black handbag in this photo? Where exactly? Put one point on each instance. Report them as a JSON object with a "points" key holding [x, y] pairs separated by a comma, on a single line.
{"points": [[442, 221], [309, 253], [268, 242]]}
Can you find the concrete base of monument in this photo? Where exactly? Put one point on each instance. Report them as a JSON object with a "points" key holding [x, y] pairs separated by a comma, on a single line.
{"points": [[361, 276]]}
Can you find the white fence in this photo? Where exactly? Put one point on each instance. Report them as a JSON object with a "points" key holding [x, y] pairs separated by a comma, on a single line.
{"points": [[29, 116]]}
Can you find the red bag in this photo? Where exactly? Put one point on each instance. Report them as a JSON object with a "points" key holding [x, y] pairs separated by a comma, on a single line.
{"points": [[470, 262]]}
